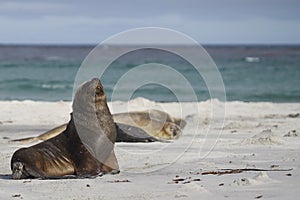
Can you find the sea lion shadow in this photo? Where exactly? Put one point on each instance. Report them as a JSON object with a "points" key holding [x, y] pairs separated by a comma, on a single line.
{"points": [[5, 176]]}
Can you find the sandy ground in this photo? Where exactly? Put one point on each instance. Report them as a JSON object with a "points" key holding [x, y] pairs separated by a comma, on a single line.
{"points": [[248, 135]]}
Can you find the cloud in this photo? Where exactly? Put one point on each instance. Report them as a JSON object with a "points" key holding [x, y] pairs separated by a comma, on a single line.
{"points": [[212, 21], [19, 9], [198, 9]]}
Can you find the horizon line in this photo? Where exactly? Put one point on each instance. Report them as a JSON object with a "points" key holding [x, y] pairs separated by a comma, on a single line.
{"points": [[95, 44]]}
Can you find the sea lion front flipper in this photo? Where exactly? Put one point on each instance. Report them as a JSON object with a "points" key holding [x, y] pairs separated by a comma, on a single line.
{"points": [[111, 164], [128, 133], [19, 171]]}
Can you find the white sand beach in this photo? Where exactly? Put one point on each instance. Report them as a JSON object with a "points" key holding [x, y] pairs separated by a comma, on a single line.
{"points": [[252, 135]]}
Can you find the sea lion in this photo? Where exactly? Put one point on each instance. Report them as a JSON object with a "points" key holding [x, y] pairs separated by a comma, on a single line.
{"points": [[137, 126], [84, 149], [156, 123], [157, 115], [125, 133]]}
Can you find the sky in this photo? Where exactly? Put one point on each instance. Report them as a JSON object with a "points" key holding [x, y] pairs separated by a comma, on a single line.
{"points": [[208, 22]]}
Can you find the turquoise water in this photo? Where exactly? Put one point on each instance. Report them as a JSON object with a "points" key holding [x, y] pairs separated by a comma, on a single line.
{"points": [[250, 73]]}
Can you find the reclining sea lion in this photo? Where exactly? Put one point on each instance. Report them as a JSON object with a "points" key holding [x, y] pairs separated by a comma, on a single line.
{"points": [[138, 126]]}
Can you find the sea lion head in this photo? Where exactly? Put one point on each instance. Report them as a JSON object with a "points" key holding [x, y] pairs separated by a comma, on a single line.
{"points": [[89, 96], [172, 130]]}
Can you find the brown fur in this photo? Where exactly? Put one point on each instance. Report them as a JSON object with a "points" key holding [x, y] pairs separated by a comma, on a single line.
{"points": [[65, 154]]}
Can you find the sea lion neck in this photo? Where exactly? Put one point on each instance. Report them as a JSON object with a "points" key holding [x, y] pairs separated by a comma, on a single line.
{"points": [[93, 120]]}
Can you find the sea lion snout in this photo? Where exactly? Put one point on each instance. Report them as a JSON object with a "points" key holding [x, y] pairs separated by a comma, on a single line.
{"points": [[99, 90], [95, 80]]}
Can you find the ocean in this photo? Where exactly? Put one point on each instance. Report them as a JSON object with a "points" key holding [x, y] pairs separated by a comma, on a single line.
{"points": [[251, 73]]}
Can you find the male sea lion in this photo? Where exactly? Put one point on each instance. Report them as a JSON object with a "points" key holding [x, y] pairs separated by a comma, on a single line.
{"points": [[84, 149], [138, 126]]}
